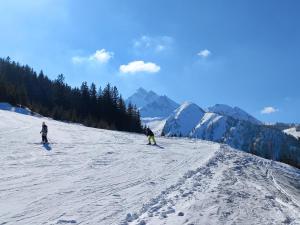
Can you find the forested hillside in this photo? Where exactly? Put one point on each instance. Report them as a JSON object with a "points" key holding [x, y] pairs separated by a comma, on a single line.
{"points": [[101, 108]]}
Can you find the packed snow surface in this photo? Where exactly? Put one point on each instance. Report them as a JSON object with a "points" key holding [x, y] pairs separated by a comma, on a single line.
{"points": [[93, 176]]}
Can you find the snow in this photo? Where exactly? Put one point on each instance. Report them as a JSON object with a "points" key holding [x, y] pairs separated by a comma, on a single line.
{"points": [[211, 122], [142, 97], [9, 107], [160, 107], [94, 176], [183, 120], [232, 188], [156, 124], [293, 131], [234, 112], [189, 120], [152, 105]]}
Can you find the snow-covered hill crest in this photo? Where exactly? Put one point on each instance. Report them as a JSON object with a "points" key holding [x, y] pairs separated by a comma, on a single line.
{"points": [[183, 120], [294, 131], [212, 127], [234, 112]]}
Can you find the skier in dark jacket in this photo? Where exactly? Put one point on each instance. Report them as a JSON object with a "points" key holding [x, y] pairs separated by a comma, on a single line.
{"points": [[44, 132], [150, 136]]}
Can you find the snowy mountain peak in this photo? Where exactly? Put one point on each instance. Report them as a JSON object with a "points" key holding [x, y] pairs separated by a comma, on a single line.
{"points": [[234, 127], [188, 107], [141, 91], [160, 107], [151, 93], [142, 97], [221, 107], [152, 105], [234, 112], [183, 120]]}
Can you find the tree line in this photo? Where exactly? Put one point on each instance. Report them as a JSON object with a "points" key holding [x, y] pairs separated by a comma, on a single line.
{"points": [[100, 108]]}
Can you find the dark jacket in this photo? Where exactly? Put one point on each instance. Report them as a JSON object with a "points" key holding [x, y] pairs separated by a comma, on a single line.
{"points": [[149, 132], [44, 130]]}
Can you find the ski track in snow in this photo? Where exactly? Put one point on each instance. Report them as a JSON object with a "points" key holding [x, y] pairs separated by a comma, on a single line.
{"points": [[93, 176]]}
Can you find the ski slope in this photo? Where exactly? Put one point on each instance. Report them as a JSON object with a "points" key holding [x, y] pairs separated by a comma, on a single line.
{"points": [[94, 176]]}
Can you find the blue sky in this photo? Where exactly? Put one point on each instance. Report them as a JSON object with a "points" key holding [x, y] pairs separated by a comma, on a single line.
{"points": [[239, 52]]}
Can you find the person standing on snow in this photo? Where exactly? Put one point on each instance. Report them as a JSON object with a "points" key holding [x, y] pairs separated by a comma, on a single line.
{"points": [[150, 136], [44, 132]]}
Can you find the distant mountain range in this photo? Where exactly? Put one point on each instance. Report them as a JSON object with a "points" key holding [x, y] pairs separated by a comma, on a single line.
{"points": [[234, 112], [219, 123], [151, 104], [238, 130]]}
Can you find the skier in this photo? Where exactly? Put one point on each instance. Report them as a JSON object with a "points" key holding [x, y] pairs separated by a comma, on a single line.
{"points": [[150, 136], [44, 132]]}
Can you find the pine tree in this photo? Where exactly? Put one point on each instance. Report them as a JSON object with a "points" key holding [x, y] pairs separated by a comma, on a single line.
{"points": [[93, 99]]}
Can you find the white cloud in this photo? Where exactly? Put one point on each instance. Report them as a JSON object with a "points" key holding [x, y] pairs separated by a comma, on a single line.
{"points": [[154, 44], [101, 56], [268, 110], [204, 53], [78, 59], [139, 66]]}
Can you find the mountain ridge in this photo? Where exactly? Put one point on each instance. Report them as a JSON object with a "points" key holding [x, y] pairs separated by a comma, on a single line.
{"points": [[234, 112], [249, 136], [151, 104]]}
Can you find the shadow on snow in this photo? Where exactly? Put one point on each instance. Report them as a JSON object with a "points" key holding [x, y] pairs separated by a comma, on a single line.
{"points": [[47, 146]]}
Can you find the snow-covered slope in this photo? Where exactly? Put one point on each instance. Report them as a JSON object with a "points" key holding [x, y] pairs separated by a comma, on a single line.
{"points": [[183, 120], [212, 127], [293, 131], [231, 188], [9, 107], [234, 112], [94, 176], [152, 105]]}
